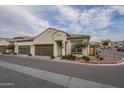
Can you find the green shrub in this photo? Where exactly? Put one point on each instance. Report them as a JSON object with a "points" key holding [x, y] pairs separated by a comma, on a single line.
{"points": [[66, 57], [96, 53], [70, 57], [7, 53], [86, 58], [15, 53], [73, 57], [3, 52], [30, 54], [101, 58], [52, 57], [63, 57], [97, 56]]}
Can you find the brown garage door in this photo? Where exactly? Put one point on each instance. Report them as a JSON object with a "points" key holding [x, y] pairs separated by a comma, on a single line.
{"points": [[24, 49], [3, 49], [45, 50]]}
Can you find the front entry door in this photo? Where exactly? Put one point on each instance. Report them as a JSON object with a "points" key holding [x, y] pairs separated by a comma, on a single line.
{"points": [[59, 50]]}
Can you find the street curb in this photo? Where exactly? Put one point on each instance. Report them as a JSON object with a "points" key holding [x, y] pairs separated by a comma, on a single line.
{"points": [[63, 61]]}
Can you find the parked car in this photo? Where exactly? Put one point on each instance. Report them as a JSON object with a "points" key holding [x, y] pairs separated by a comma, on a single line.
{"points": [[121, 49]]}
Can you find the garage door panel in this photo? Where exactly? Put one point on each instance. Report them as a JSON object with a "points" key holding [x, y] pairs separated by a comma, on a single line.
{"points": [[45, 50], [3, 49], [24, 49]]}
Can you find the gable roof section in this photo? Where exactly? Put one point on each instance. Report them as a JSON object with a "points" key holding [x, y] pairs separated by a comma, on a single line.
{"points": [[32, 38], [59, 31], [23, 40], [42, 32], [4, 42], [51, 29]]}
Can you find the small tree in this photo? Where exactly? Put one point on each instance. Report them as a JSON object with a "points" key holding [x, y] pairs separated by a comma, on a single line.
{"points": [[105, 43], [97, 46]]}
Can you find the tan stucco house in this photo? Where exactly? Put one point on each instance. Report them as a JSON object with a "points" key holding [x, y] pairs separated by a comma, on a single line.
{"points": [[51, 42], [3, 44]]}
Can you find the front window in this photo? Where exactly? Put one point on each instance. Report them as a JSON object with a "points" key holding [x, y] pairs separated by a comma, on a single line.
{"points": [[76, 47]]}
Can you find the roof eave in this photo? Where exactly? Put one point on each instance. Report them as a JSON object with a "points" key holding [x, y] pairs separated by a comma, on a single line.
{"points": [[79, 37]]}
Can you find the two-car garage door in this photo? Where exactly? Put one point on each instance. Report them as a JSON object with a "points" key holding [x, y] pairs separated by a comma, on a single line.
{"points": [[3, 49], [25, 49], [44, 50]]}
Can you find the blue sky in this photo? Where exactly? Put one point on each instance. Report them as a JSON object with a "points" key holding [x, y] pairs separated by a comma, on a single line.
{"points": [[101, 22]]}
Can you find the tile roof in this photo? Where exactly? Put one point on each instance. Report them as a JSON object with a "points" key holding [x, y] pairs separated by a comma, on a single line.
{"points": [[78, 36]]}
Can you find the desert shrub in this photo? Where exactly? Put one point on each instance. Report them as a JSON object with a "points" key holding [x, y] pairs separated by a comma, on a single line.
{"points": [[15, 53], [52, 57], [70, 57], [97, 56], [73, 57], [66, 57], [3, 52], [30, 54], [101, 58], [96, 53], [7, 53], [86, 58], [63, 57]]}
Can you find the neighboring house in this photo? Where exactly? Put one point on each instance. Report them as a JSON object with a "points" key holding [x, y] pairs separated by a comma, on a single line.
{"points": [[3, 45], [51, 42], [117, 43]]}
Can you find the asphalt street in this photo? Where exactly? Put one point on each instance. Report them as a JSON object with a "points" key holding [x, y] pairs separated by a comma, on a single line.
{"points": [[107, 74]]}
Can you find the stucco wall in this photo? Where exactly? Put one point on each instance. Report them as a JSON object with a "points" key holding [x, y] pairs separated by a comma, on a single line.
{"points": [[25, 43], [45, 37], [3, 42], [68, 47], [60, 36]]}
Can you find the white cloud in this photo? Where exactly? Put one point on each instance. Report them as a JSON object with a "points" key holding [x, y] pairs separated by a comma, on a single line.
{"points": [[97, 18], [68, 13], [19, 21], [87, 21], [28, 20], [119, 9]]}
